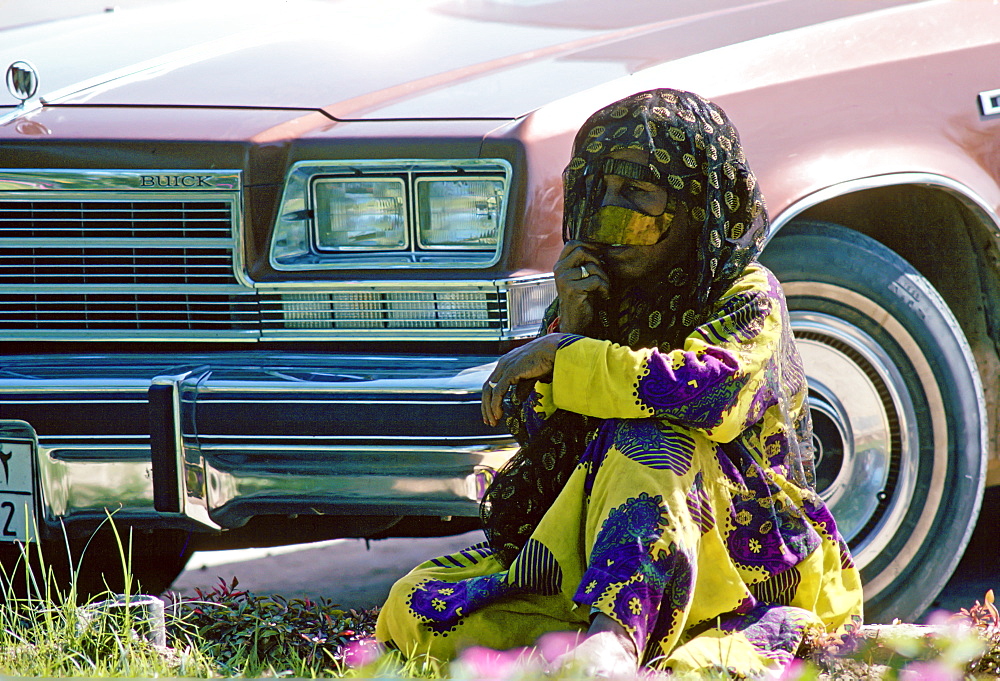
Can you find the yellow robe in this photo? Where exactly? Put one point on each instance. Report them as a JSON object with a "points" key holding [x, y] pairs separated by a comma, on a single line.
{"points": [[681, 521]]}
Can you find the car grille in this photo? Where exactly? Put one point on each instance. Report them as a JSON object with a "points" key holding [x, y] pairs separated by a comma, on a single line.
{"points": [[116, 219], [148, 312], [121, 242], [372, 308], [122, 267]]}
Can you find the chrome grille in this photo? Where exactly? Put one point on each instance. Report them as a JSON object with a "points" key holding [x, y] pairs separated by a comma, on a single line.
{"points": [[111, 312], [376, 309], [83, 257], [116, 242], [92, 219], [424, 310], [111, 265]]}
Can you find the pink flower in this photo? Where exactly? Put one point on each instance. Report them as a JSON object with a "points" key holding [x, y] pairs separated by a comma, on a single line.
{"points": [[557, 643], [361, 652], [485, 663], [940, 618], [928, 671], [794, 671]]}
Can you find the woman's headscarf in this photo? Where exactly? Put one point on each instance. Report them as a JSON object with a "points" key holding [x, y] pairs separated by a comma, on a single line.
{"points": [[695, 154]]}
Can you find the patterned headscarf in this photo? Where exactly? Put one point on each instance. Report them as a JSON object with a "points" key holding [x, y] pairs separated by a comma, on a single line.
{"points": [[696, 156], [694, 153]]}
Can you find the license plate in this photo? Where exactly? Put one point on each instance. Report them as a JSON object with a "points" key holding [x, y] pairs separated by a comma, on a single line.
{"points": [[17, 489]]}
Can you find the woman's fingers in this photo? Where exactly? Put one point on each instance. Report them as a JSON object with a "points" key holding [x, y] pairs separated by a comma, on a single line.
{"points": [[579, 276], [494, 407], [578, 264], [494, 389], [582, 289], [596, 281], [526, 362], [574, 255]]}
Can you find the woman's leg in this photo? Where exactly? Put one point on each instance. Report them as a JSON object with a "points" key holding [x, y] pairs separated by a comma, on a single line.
{"points": [[453, 602]]}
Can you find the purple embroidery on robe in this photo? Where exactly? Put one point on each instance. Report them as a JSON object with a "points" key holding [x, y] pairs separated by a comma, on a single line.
{"points": [[820, 516], [649, 605], [650, 587], [766, 534], [776, 450], [665, 388], [675, 581], [699, 505], [750, 546], [441, 604], [637, 605], [622, 545], [679, 580], [774, 631], [656, 445]]}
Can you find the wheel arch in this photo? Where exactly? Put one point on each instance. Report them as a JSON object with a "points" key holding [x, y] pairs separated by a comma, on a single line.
{"points": [[920, 216]]}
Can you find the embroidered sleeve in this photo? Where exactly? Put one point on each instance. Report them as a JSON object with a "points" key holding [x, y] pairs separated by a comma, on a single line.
{"points": [[716, 383]]}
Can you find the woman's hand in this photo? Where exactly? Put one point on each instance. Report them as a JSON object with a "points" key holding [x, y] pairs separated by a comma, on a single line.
{"points": [[576, 291], [532, 360]]}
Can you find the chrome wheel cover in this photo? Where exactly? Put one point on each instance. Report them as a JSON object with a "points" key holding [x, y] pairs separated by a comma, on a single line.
{"points": [[864, 430]]}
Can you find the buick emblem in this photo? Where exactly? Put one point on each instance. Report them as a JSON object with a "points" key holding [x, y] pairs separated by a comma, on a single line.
{"points": [[22, 80]]}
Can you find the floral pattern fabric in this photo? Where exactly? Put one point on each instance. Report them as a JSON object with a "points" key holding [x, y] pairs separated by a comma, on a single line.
{"points": [[679, 522]]}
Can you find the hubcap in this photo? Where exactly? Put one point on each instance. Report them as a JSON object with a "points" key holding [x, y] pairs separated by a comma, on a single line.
{"points": [[861, 416]]}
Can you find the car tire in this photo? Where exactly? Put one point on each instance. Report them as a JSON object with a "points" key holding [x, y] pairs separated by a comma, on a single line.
{"points": [[897, 406]]}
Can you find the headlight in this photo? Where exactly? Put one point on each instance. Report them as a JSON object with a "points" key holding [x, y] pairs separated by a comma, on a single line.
{"points": [[377, 214], [351, 215], [459, 213]]}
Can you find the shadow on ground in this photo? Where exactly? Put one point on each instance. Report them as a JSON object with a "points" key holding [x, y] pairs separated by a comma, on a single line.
{"points": [[355, 575], [979, 569]]}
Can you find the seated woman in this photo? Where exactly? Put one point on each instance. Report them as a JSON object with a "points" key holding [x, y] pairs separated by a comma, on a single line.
{"points": [[662, 498]]}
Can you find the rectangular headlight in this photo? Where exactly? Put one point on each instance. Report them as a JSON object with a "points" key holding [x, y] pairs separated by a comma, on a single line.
{"points": [[353, 215], [459, 213]]}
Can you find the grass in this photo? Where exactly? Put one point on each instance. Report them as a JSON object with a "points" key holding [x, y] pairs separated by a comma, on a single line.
{"points": [[49, 631]]}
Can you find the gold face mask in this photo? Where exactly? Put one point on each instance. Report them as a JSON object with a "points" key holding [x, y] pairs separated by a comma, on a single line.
{"points": [[618, 226]]}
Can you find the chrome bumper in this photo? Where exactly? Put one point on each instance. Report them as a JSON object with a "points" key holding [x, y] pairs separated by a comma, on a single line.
{"points": [[213, 440]]}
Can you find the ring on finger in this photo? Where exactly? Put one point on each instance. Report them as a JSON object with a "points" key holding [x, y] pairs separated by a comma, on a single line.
{"points": [[583, 272], [491, 384]]}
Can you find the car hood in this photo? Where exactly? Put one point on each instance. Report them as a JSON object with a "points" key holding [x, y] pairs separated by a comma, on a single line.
{"points": [[383, 59]]}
